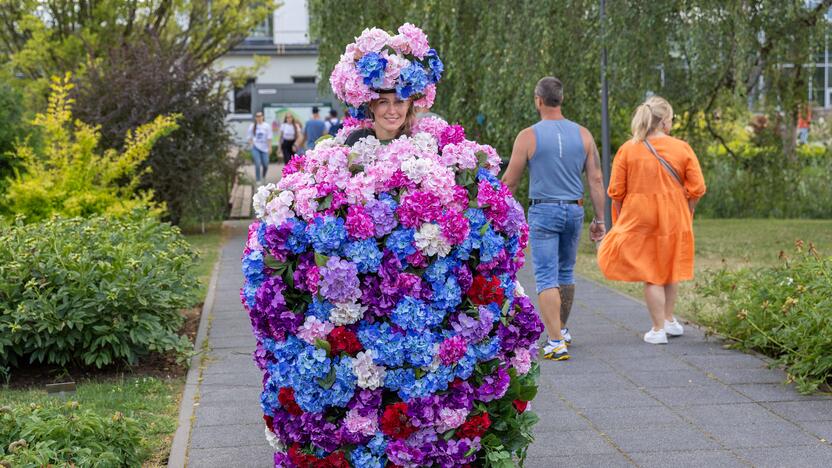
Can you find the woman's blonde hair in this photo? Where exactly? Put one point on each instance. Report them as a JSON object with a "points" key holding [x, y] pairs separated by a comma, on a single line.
{"points": [[649, 116]]}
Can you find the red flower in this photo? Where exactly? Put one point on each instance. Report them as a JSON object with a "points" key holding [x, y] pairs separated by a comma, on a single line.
{"points": [[333, 460], [343, 340], [395, 423], [286, 397], [300, 459], [474, 427], [269, 422], [520, 405], [485, 291]]}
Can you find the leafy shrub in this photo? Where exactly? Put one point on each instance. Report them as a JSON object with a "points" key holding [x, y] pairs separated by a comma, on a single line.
{"points": [[191, 171], [66, 435], [782, 311], [11, 129], [69, 177], [94, 291]]}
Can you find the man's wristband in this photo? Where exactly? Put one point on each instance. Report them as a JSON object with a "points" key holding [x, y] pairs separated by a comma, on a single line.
{"points": [[597, 221]]}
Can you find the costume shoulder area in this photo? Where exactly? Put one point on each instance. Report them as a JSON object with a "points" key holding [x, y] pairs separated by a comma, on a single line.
{"points": [[357, 135]]}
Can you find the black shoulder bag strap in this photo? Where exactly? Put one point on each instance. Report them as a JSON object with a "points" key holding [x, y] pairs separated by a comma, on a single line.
{"points": [[666, 165]]}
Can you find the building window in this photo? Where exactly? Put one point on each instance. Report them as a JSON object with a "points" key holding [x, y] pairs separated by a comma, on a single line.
{"points": [[242, 98], [263, 31], [303, 79]]}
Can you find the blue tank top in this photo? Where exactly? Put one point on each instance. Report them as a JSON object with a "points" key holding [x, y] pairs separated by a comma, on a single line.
{"points": [[557, 164]]}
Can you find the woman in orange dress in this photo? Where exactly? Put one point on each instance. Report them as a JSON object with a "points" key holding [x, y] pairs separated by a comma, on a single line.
{"points": [[652, 237]]}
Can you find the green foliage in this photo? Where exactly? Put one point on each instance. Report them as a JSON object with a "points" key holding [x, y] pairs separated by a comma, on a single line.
{"points": [[69, 177], [66, 435], [781, 311], [93, 291], [11, 130]]}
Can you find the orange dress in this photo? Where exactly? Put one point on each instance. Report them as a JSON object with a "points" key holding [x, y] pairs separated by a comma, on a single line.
{"points": [[652, 237]]}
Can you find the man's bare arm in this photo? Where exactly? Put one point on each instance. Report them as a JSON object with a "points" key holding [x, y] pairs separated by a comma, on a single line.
{"points": [[594, 176], [519, 158]]}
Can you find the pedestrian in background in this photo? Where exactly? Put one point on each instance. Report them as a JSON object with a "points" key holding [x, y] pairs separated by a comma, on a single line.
{"points": [[289, 133], [558, 151], [260, 138], [314, 129], [655, 185]]}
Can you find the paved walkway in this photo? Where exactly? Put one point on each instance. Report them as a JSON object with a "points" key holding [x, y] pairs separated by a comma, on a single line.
{"points": [[617, 402]]}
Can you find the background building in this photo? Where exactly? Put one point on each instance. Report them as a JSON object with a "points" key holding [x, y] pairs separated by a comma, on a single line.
{"points": [[288, 82]]}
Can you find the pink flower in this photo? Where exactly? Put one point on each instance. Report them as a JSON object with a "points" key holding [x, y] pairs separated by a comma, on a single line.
{"points": [[373, 40], [359, 223], [417, 208], [462, 155], [522, 360], [455, 226], [428, 97], [357, 424], [452, 350], [450, 419], [432, 125], [416, 39], [253, 243], [313, 329], [451, 134]]}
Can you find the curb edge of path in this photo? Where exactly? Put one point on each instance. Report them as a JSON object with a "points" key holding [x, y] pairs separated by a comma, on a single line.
{"points": [[179, 448]]}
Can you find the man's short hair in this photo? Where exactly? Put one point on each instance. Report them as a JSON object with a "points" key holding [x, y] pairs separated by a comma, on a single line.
{"points": [[333, 113], [315, 109], [550, 90]]}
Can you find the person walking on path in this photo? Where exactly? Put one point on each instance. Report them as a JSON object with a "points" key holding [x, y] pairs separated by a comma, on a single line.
{"points": [[804, 123], [289, 133], [314, 129], [655, 184], [557, 152], [333, 123], [260, 139]]}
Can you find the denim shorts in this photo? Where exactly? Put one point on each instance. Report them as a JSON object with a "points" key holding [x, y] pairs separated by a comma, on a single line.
{"points": [[554, 233]]}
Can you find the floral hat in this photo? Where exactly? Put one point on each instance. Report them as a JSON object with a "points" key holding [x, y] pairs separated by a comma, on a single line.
{"points": [[378, 61]]}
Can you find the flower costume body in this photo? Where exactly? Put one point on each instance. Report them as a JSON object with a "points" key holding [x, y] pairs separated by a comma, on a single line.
{"points": [[381, 285]]}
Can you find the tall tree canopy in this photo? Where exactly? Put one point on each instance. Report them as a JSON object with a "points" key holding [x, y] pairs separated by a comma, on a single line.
{"points": [[706, 56]]}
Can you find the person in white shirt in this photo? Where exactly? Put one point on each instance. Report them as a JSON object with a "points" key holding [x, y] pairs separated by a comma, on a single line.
{"points": [[290, 131], [260, 139]]}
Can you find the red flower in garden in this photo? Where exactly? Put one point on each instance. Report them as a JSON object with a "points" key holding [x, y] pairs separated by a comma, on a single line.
{"points": [[395, 423], [474, 427], [344, 340], [520, 405], [300, 459], [334, 460], [269, 422], [485, 291], [286, 397]]}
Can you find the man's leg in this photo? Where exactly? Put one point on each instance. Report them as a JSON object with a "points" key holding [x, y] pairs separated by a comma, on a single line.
{"points": [[567, 255], [567, 295], [549, 301]]}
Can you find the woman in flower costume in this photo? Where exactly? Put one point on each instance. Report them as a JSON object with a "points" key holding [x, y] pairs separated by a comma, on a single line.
{"points": [[381, 284]]}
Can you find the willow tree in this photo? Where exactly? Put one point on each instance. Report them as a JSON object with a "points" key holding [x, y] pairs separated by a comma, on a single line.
{"points": [[707, 56]]}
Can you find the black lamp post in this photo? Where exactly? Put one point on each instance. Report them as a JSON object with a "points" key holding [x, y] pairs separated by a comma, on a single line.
{"points": [[606, 162]]}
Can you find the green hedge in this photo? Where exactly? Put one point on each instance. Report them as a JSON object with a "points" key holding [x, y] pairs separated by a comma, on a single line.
{"points": [[66, 435], [92, 291], [782, 311]]}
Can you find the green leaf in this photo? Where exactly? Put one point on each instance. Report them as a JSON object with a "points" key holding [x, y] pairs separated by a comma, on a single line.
{"points": [[329, 380], [323, 344], [273, 263], [321, 259], [326, 203]]}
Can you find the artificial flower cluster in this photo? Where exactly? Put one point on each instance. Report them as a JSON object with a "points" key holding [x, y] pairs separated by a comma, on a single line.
{"points": [[381, 285], [378, 60]]}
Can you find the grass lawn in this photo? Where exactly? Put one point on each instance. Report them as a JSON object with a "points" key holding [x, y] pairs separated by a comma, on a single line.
{"points": [[153, 400], [730, 243]]}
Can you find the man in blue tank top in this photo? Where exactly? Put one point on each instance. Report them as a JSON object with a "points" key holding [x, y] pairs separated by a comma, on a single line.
{"points": [[557, 151]]}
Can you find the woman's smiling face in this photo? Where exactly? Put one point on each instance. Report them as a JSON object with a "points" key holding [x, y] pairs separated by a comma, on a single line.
{"points": [[389, 114]]}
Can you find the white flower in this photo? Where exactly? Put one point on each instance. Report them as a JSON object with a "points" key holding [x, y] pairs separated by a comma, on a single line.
{"points": [[417, 169], [279, 208], [518, 289], [261, 197], [326, 143], [346, 313], [275, 441], [369, 375], [365, 150], [430, 241], [425, 142]]}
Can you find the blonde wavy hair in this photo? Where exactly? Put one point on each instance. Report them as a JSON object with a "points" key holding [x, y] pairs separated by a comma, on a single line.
{"points": [[649, 116]]}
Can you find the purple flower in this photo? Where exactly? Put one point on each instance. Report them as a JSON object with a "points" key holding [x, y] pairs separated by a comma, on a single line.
{"points": [[402, 454], [473, 329], [451, 134], [339, 281], [493, 386], [452, 350], [383, 216]]}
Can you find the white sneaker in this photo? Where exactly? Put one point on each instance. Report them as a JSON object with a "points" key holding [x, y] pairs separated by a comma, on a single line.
{"points": [[555, 350], [567, 337], [655, 337], [673, 328]]}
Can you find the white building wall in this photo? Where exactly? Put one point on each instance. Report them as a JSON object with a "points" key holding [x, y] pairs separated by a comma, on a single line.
{"points": [[279, 70], [291, 22]]}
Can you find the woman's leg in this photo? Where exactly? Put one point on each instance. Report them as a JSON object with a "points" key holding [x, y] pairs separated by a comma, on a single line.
{"points": [[671, 291], [255, 157], [655, 299], [287, 150]]}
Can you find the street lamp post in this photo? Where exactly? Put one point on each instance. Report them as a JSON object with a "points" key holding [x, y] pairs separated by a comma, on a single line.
{"points": [[605, 120]]}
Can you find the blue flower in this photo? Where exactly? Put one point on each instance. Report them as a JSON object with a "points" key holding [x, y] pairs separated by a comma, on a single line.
{"points": [[492, 244], [359, 113], [486, 350], [328, 234], [484, 174], [412, 80], [400, 379], [250, 293], [261, 234], [400, 242], [371, 67], [361, 456], [268, 400], [320, 309], [447, 295], [298, 240], [419, 348], [365, 254], [388, 345], [253, 267], [476, 217], [378, 444], [389, 200], [439, 270], [410, 314], [465, 366], [436, 66]]}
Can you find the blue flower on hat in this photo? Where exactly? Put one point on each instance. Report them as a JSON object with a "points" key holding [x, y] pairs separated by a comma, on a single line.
{"points": [[371, 67], [412, 80]]}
